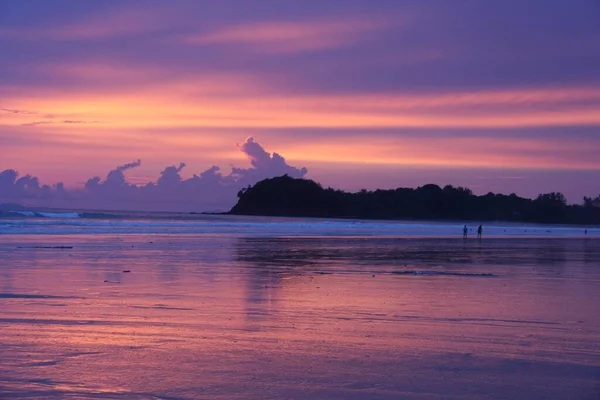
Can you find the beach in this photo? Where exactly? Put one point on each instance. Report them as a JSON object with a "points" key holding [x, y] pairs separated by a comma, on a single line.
{"points": [[223, 307]]}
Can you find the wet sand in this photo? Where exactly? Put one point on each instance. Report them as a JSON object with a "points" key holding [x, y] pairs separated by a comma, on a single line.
{"points": [[231, 317]]}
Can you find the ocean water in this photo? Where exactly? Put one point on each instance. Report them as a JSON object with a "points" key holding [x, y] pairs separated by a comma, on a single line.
{"points": [[188, 306], [73, 222]]}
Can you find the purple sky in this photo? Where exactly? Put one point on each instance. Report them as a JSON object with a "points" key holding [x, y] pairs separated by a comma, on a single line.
{"points": [[497, 96]]}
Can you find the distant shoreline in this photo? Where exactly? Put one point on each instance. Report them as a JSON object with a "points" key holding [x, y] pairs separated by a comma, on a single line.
{"points": [[289, 197], [469, 223]]}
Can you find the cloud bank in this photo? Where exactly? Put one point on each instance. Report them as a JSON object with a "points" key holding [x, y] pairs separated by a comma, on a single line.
{"points": [[210, 190]]}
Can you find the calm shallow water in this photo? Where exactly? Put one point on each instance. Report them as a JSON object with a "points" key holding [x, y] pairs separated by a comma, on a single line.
{"points": [[252, 316]]}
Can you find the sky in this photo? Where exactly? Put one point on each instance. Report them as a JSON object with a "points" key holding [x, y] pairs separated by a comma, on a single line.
{"points": [[211, 96]]}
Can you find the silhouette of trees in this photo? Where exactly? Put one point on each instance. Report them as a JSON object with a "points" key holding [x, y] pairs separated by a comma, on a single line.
{"points": [[549, 207], [286, 196], [589, 202]]}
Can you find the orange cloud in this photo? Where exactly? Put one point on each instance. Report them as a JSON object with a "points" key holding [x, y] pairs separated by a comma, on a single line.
{"points": [[238, 101], [470, 151], [204, 113]]}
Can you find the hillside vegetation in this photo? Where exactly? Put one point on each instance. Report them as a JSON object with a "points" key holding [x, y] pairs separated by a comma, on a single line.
{"points": [[286, 196]]}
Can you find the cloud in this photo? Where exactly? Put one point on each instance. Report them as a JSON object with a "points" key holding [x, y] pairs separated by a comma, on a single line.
{"points": [[71, 121], [13, 187], [66, 121], [210, 190], [264, 163], [130, 165], [14, 111], [235, 101], [101, 23], [36, 123], [292, 36]]}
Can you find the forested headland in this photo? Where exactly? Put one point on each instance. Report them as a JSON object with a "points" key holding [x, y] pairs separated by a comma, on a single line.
{"points": [[290, 197]]}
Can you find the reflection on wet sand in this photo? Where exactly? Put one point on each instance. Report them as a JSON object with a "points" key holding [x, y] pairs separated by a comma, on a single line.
{"points": [[286, 253], [234, 317]]}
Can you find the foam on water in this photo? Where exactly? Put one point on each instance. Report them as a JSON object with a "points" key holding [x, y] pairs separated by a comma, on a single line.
{"points": [[72, 222], [41, 214], [59, 215], [23, 213]]}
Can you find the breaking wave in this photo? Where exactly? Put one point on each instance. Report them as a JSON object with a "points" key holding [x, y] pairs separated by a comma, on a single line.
{"points": [[40, 214], [49, 221]]}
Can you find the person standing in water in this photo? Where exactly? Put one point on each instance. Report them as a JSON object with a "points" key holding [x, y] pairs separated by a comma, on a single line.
{"points": [[465, 232], [479, 232]]}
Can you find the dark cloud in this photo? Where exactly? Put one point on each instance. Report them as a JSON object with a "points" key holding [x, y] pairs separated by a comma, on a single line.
{"points": [[36, 123], [209, 190], [15, 111], [66, 121], [70, 121], [13, 187], [264, 164], [129, 166], [49, 118]]}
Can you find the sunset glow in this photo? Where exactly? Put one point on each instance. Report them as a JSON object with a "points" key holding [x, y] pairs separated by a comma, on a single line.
{"points": [[323, 87]]}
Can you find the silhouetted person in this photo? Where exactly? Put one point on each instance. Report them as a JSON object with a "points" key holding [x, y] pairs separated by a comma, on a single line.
{"points": [[465, 232], [479, 231]]}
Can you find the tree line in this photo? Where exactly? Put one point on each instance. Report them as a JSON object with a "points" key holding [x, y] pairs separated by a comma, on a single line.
{"points": [[286, 196]]}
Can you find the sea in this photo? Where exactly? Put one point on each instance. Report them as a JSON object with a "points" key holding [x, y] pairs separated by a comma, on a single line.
{"points": [[63, 222], [176, 306]]}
